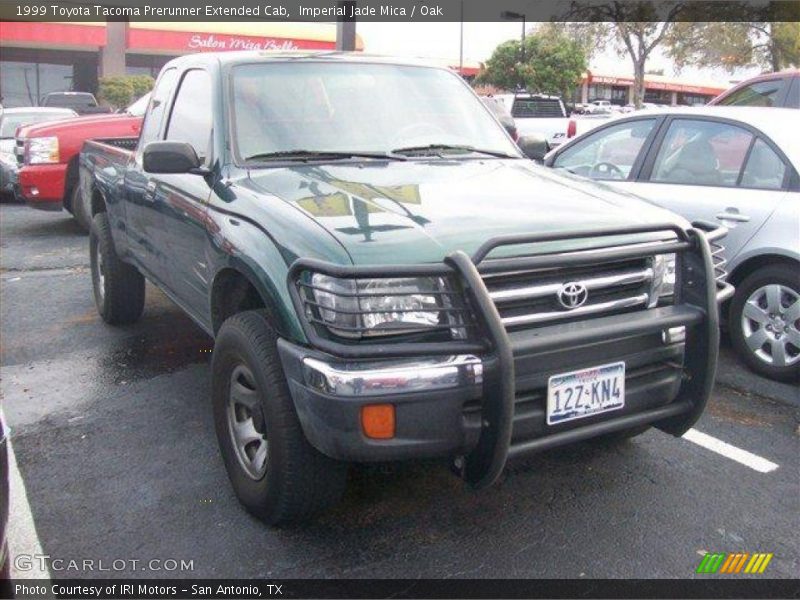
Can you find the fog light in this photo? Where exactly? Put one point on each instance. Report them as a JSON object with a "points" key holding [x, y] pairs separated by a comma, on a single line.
{"points": [[674, 335], [377, 421], [34, 191]]}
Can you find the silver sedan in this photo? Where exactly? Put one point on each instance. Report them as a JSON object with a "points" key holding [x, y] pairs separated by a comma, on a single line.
{"points": [[736, 166]]}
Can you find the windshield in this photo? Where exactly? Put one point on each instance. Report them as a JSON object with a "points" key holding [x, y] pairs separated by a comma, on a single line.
{"points": [[357, 107], [71, 100], [10, 122]]}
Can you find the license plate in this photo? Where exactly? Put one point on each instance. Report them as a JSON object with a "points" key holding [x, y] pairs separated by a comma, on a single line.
{"points": [[585, 393]]}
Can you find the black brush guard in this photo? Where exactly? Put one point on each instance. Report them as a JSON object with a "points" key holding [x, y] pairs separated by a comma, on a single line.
{"points": [[700, 287]]}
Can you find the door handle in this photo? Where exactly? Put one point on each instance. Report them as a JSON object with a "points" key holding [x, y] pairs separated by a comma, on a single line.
{"points": [[150, 190], [732, 216]]}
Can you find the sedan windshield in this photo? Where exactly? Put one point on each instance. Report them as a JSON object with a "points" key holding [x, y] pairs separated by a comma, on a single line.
{"points": [[359, 108]]}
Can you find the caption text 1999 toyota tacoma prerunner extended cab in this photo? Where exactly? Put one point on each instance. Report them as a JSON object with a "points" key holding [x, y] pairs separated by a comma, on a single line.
{"points": [[387, 277]]}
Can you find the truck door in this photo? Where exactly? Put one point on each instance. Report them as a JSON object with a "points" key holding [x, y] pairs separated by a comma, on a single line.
{"points": [[183, 199], [141, 210]]}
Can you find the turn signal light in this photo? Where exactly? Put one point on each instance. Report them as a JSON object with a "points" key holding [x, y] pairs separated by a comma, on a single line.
{"points": [[377, 421]]}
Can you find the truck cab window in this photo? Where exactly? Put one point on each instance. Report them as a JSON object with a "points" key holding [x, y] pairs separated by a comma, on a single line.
{"points": [[761, 93], [190, 120], [158, 101]]}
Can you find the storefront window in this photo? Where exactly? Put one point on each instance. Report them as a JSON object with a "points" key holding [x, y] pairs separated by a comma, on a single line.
{"points": [[26, 83], [142, 64]]}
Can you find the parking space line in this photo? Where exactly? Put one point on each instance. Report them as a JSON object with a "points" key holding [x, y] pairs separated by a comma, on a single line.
{"points": [[22, 536], [748, 459]]}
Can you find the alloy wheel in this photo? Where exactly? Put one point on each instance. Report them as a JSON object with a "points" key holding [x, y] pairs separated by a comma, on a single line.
{"points": [[771, 324]]}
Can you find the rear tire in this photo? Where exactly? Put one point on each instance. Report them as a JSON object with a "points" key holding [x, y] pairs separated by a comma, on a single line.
{"points": [[118, 286], [79, 211], [276, 474], [771, 297]]}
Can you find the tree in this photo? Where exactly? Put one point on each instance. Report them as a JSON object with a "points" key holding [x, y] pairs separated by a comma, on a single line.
{"points": [[632, 28], [770, 45], [553, 64]]}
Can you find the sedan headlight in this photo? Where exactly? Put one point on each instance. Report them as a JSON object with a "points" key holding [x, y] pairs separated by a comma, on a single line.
{"points": [[41, 150], [355, 308], [663, 276]]}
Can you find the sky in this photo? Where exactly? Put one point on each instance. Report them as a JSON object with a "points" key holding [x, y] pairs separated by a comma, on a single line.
{"points": [[441, 41]]}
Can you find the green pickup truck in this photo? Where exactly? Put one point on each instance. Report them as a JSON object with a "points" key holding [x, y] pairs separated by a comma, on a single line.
{"points": [[388, 277]]}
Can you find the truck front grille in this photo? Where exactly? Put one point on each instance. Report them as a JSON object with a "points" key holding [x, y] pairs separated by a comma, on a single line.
{"points": [[530, 298]]}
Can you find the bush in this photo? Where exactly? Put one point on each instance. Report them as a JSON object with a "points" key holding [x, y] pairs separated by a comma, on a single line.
{"points": [[116, 91], [120, 90], [141, 85]]}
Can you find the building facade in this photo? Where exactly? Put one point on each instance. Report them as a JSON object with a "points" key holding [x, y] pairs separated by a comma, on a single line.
{"points": [[658, 89], [39, 58]]}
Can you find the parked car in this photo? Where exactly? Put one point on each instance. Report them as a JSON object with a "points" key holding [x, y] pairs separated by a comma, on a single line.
{"points": [[599, 107], [83, 103], [774, 90], [539, 114], [10, 120], [385, 289], [499, 110], [48, 157], [735, 166]]}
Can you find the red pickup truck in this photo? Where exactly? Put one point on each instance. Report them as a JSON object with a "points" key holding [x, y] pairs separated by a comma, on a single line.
{"points": [[48, 156]]}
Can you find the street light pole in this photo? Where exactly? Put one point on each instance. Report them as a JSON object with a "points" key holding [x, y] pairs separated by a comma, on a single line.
{"points": [[461, 44]]}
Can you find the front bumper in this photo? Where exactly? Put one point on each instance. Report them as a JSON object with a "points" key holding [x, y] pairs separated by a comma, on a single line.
{"points": [[42, 186], [488, 404]]}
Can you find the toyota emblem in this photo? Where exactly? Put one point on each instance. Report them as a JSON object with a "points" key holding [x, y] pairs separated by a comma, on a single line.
{"points": [[572, 295]]}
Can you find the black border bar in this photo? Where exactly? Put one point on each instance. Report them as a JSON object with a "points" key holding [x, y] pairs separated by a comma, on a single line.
{"points": [[401, 11], [732, 586]]}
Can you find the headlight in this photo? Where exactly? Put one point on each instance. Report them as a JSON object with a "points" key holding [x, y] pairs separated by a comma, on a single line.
{"points": [[663, 277], [355, 308], [42, 150]]}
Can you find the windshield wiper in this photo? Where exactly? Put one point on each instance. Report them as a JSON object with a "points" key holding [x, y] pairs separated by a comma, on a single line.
{"points": [[307, 155], [439, 148]]}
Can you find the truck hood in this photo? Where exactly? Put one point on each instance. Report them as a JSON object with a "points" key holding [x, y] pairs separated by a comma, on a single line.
{"points": [[72, 123], [420, 211]]}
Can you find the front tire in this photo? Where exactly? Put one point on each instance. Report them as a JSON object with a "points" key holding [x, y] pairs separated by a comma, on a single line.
{"points": [[276, 474], [764, 322], [118, 286]]}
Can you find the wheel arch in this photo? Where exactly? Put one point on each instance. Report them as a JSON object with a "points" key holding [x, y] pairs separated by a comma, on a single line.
{"points": [[236, 288], [98, 201], [751, 264]]}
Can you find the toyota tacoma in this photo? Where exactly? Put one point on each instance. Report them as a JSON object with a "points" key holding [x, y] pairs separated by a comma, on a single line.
{"points": [[387, 276]]}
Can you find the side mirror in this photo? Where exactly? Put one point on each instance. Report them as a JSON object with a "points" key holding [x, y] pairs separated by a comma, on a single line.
{"points": [[533, 146], [170, 157]]}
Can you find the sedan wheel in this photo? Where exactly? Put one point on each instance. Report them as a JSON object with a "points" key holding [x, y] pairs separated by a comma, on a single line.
{"points": [[765, 321], [770, 324]]}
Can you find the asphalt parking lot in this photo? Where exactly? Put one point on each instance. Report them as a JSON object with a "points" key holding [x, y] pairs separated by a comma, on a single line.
{"points": [[114, 443]]}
